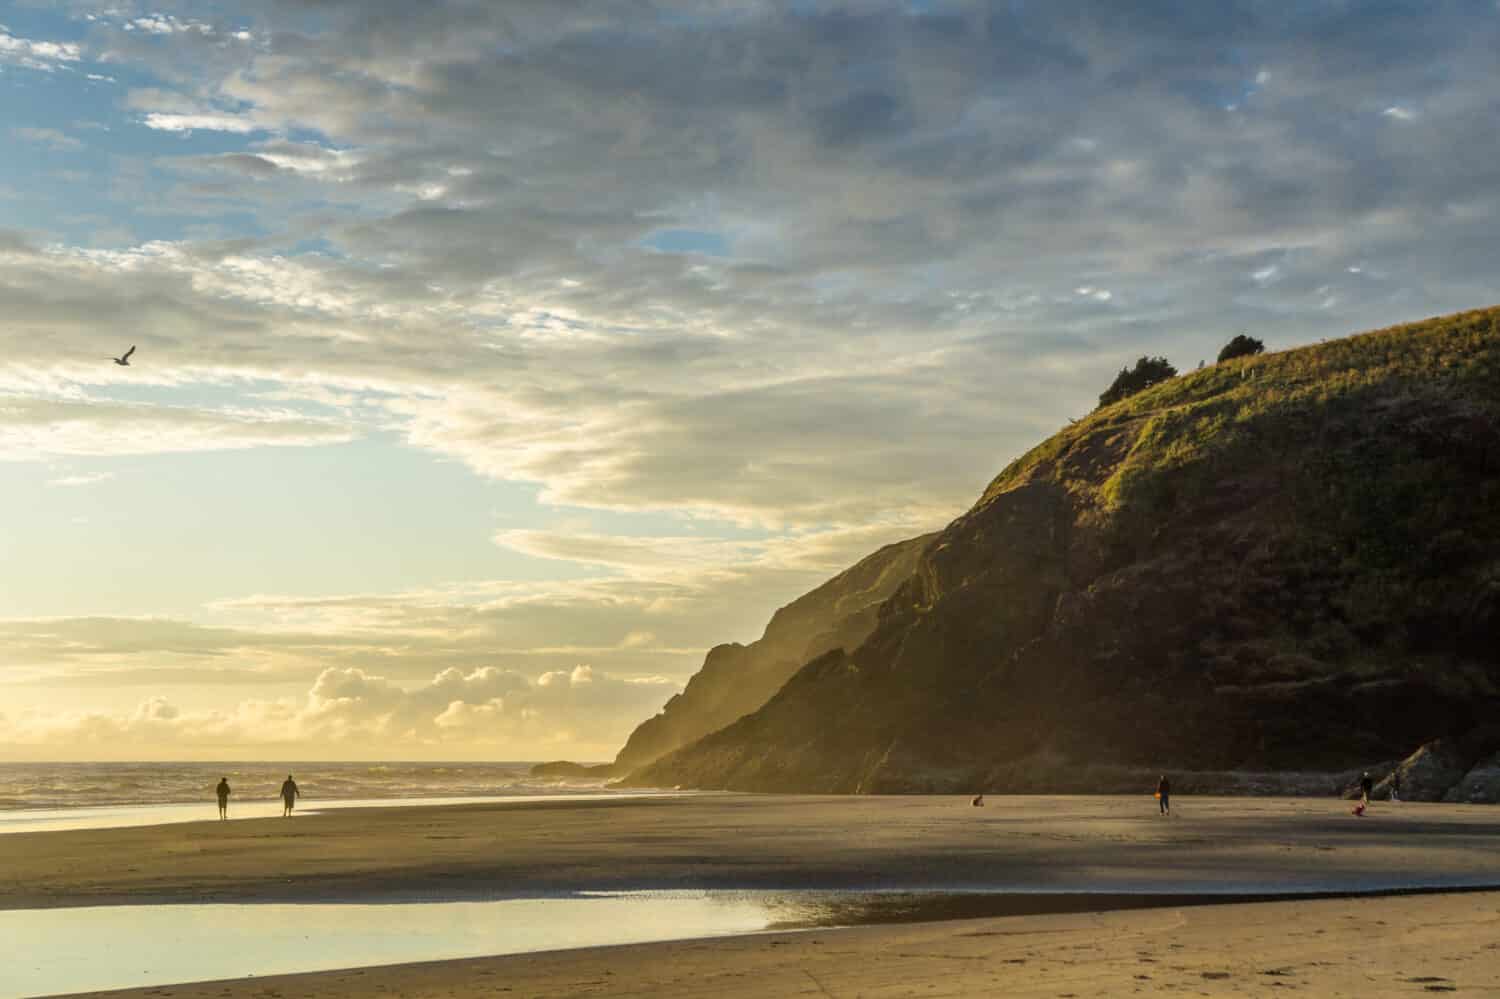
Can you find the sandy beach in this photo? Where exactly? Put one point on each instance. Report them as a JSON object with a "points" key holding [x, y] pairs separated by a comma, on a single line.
{"points": [[749, 841], [1377, 947], [1386, 945]]}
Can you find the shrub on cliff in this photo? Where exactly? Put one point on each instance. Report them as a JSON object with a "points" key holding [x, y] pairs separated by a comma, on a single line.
{"points": [[1147, 372], [1241, 346]]}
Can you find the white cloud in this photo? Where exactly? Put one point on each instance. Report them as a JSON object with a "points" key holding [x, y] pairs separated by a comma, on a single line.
{"points": [[167, 24], [1399, 113], [81, 480], [656, 556], [203, 122], [32, 54], [33, 428], [580, 710]]}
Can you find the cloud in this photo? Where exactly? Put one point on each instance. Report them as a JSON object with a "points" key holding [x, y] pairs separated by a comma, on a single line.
{"points": [[32, 428], [81, 480], [205, 122], [33, 54], [657, 556], [49, 137], [350, 710]]}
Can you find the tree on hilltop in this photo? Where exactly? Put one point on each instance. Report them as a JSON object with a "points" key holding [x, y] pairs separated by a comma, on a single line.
{"points": [[1241, 346], [1147, 372]]}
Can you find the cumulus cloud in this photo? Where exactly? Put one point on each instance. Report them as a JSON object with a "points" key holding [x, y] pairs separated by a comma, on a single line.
{"points": [[580, 710], [36, 54]]}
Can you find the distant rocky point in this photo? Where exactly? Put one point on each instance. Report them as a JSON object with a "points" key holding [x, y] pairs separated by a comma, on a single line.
{"points": [[1264, 576]]}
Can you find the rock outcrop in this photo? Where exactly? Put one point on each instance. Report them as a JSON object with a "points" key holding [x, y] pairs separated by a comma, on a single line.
{"points": [[737, 679], [1480, 786], [1429, 773], [1280, 564]]}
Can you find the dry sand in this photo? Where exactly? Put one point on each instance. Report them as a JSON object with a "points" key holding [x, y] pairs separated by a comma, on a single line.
{"points": [[1364, 947]]}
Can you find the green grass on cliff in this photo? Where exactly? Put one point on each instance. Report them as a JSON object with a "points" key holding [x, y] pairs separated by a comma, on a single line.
{"points": [[1267, 401]]}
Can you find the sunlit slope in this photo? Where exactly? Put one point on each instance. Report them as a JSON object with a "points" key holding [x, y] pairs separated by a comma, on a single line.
{"points": [[1289, 562], [737, 679]]}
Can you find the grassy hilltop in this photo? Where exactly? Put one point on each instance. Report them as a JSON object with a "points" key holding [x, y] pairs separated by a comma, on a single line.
{"points": [[1288, 562]]}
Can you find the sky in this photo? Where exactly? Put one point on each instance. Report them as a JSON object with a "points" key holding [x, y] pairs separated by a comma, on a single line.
{"points": [[495, 360]]}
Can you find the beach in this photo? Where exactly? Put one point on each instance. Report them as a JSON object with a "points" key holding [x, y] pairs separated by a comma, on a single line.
{"points": [[1024, 852], [1378, 947]]}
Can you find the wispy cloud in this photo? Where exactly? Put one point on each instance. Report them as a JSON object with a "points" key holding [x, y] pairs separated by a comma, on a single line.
{"points": [[81, 480], [50, 137]]}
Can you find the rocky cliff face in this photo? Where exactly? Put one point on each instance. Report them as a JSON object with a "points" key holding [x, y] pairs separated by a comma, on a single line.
{"points": [[1286, 563], [737, 679]]}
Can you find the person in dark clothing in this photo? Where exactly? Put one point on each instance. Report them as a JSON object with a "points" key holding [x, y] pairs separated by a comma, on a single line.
{"points": [[289, 794], [1395, 787], [223, 792], [1164, 795], [1366, 785]]}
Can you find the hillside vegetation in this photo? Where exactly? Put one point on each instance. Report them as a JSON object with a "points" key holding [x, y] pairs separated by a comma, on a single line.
{"points": [[1284, 562]]}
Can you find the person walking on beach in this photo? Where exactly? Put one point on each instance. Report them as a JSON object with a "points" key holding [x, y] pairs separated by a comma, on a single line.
{"points": [[1164, 795], [1396, 786], [289, 794], [223, 792], [1366, 785]]}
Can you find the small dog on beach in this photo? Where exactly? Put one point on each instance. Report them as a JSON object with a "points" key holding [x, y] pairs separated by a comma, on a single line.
{"points": [[978, 801]]}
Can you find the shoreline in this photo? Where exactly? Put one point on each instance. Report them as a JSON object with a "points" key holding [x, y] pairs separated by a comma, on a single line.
{"points": [[1438, 942], [558, 846]]}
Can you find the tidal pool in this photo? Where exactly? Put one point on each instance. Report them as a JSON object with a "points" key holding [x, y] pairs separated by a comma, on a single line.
{"points": [[53, 951]]}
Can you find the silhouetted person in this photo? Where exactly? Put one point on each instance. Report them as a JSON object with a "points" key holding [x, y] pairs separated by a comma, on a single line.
{"points": [[1366, 785], [289, 794], [1164, 795], [223, 792], [1395, 787]]}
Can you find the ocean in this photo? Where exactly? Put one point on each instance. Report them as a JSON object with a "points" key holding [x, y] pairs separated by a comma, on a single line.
{"points": [[87, 785]]}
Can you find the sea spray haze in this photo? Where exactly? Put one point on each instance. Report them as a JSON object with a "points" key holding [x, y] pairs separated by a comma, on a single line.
{"points": [[73, 785]]}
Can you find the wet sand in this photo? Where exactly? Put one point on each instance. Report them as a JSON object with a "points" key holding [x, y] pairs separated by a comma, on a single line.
{"points": [[1416, 945], [744, 841], [1369, 946]]}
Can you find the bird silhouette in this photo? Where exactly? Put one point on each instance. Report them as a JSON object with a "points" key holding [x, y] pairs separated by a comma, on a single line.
{"points": [[124, 359]]}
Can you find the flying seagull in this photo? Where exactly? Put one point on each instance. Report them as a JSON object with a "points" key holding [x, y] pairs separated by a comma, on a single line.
{"points": [[125, 358]]}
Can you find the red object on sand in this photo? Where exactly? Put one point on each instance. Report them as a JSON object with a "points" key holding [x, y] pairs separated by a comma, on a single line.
{"points": [[1359, 809]]}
